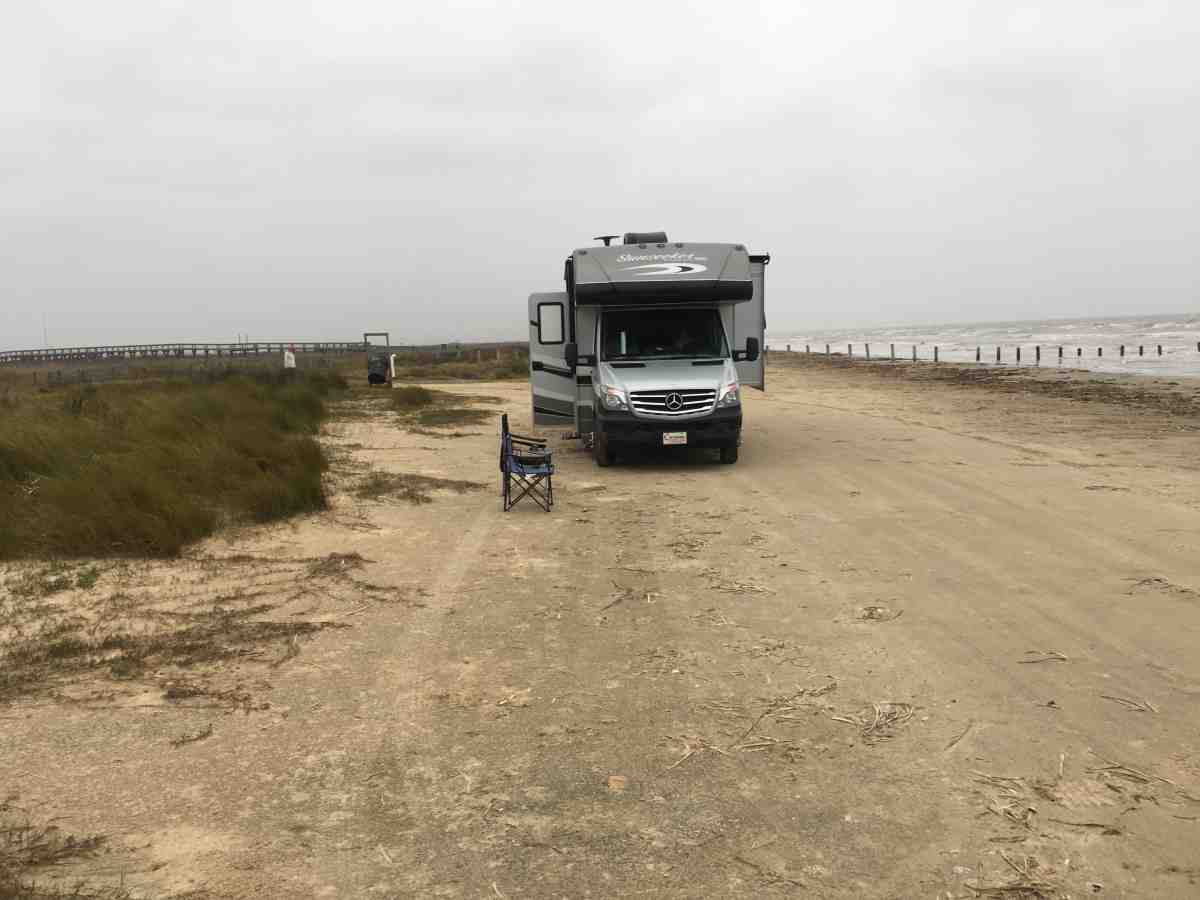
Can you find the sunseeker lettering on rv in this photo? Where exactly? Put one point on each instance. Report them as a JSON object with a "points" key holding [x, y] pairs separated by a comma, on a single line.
{"points": [[661, 257]]}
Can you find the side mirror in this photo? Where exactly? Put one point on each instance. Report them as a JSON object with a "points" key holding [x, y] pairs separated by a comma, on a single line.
{"points": [[751, 349], [571, 354]]}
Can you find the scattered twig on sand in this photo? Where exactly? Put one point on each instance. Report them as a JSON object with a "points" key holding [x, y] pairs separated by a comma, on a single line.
{"points": [[766, 743], [719, 582], [881, 723], [623, 594], [290, 651], [200, 735], [1017, 812], [1011, 803], [1041, 656], [1028, 885], [879, 614], [962, 734], [1135, 705], [497, 890], [770, 875], [745, 734], [1108, 829], [693, 745], [1129, 773]]}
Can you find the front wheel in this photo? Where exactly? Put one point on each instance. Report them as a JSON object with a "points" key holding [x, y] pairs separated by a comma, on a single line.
{"points": [[729, 455], [601, 452]]}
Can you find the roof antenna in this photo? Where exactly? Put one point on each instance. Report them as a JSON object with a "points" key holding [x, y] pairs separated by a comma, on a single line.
{"points": [[607, 238]]}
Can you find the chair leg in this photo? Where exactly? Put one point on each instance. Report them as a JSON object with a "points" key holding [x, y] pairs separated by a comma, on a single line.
{"points": [[532, 487]]}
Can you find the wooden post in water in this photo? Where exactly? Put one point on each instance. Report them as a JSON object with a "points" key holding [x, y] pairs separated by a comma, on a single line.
{"points": [[1100, 351], [789, 348], [1160, 349], [914, 352], [827, 353], [894, 351], [1018, 355], [935, 353], [867, 347], [997, 356], [1037, 351], [1079, 353], [807, 348], [1122, 351], [850, 350]]}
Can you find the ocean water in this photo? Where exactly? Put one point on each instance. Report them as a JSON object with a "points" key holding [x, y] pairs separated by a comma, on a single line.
{"points": [[1099, 339]]}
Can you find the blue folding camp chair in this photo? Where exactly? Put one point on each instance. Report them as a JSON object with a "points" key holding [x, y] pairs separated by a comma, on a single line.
{"points": [[525, 464]]}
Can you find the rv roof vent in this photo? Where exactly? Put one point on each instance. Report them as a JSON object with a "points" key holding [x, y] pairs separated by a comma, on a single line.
{"points": [[644, 237]]}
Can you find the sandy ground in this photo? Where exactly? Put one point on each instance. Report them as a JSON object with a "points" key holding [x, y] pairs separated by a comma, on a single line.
{"points": [[926, 639]]}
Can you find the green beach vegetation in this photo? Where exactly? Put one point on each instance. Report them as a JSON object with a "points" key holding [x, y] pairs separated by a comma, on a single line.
{"points": [[144, 468]]}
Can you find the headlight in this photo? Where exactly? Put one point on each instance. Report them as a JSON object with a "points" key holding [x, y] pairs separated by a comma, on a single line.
{"points": [[614, 398], [729, 395]]}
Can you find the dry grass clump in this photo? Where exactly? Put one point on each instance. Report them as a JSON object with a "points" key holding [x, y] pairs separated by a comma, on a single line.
{"points": [[880, 722], [413, 488], [425, 409], [27, 849], [60, 645], [428, 367], [146, 468], [454, 415], [412, 397]]}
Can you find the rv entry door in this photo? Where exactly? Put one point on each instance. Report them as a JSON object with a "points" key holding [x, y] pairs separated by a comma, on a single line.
{"points": [[551, 380], [750, 321]]}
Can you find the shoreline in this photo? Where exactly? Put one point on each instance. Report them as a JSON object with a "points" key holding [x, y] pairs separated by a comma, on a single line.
{"points": [[1172, 395]]}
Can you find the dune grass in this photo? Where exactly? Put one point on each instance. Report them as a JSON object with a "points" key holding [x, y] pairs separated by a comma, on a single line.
{"points": [[146, 468], [416, 489], [429, 367], [412, 397]]}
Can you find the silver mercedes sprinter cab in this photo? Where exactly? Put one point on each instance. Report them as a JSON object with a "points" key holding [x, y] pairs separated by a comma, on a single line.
{"points": [[651, 344]]}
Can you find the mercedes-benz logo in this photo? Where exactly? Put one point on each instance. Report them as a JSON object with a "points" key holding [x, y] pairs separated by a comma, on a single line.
{"points": [[674, 402]]}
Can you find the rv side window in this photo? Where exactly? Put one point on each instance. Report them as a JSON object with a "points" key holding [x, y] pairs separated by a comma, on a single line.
{"points": [[550, 323]]}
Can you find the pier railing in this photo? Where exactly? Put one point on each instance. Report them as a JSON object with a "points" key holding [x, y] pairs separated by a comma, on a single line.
{"points": [[175, 351], [201, 351]]}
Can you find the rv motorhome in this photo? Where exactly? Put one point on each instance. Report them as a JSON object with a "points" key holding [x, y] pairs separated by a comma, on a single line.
{"points": [[650, 344]]}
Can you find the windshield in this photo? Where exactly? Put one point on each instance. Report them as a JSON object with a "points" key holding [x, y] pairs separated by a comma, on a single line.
{"points": [[662, 334]]}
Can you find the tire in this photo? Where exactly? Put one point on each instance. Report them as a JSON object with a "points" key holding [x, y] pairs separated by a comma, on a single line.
{"points": [[729, 455], [601, 452]]}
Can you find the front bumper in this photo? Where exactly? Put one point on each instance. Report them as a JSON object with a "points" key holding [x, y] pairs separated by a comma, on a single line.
{"points": [[720, 428]]}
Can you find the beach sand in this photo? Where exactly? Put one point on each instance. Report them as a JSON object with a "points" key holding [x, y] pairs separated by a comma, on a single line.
{"points": [[935, 635]]}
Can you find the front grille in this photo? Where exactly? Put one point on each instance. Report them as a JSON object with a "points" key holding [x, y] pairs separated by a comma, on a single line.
{"points": [[655, 402]]}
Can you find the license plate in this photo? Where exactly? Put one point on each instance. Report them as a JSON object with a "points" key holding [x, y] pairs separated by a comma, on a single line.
{"points": [[674, 437]]}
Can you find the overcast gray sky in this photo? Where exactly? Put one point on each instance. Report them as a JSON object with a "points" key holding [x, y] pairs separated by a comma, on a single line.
{"points": [[192, 170]]}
